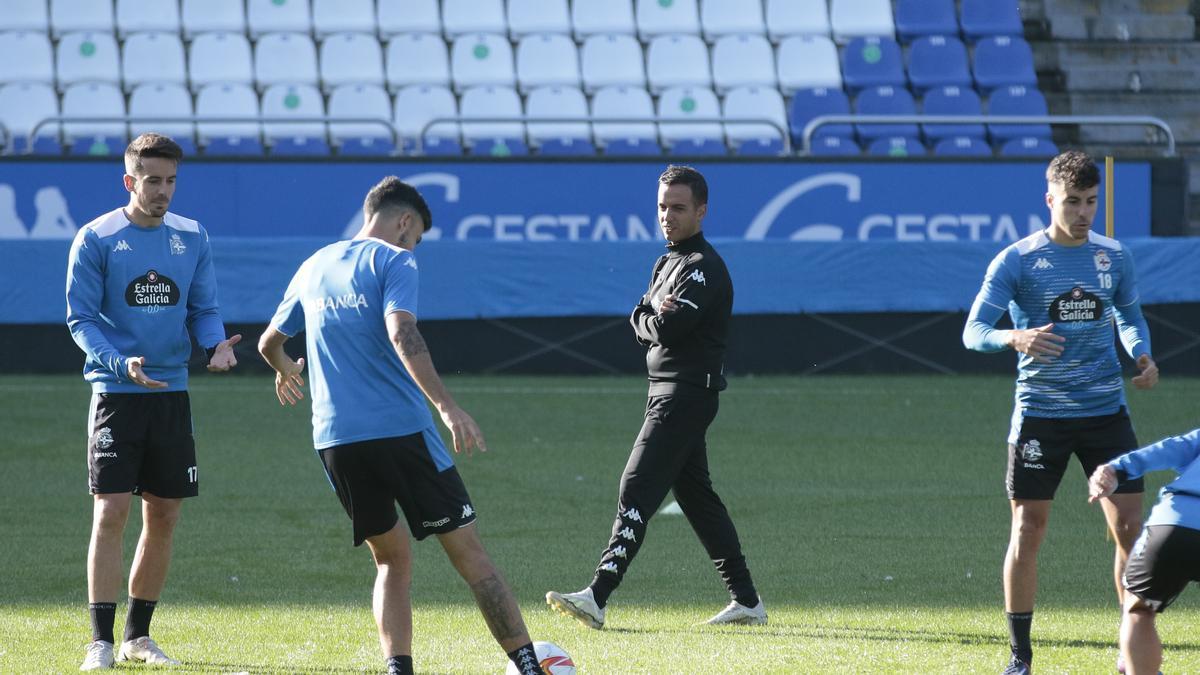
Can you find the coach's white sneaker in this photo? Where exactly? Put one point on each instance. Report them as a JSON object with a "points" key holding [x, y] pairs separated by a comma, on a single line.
{"points": [[581, 606], [145, 650], [99, 656], [737, 613]]}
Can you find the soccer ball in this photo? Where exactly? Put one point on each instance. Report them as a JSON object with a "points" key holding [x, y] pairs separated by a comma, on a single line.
{"points": [[554, 660]]}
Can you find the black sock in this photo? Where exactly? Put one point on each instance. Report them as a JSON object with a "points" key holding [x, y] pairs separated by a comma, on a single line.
{"points": [[400, 665], [137, 623], [1018, 635], [602, 587], [525, 659], [104, 615]]}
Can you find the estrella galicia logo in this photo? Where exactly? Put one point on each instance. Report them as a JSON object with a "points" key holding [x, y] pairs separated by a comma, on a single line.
{"points": [[152, 290], [1076, 305]]}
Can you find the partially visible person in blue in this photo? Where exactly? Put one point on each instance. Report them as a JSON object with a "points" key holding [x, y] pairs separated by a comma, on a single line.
{"points": [[1063, 288], [140, 286], [371, 371], [1167, 555]]}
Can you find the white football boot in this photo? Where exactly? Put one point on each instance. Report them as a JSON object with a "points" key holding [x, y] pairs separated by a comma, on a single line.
{"points": [[99, 656], [581, 606], [145, 650], [737, 613]]}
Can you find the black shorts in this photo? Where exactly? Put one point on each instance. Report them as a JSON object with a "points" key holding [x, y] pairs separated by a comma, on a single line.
{"points": [[1164, 560], [370, 477], [142, 443], [1037, 462]]}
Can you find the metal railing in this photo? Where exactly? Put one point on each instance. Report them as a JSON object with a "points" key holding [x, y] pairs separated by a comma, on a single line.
{"points": [[1139, 120]]}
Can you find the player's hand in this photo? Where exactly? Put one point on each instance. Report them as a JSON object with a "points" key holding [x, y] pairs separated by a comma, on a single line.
{"points": [[288, 383], [223, 357], [669, 304], [1149, 375], [133, 368], [1102, 483], [465, 431], [1040, 343]]}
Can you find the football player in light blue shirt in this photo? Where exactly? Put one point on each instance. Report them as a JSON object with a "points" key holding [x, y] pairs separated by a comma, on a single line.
{"points": [[140, 285], [370, 375], [1063, 288]]}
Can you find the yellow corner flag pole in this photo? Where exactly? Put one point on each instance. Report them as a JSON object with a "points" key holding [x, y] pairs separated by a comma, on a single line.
{"points": [[1108, 196]]}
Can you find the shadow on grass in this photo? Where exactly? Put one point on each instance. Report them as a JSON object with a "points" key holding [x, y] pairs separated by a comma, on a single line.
{"points": [[217, 667]]}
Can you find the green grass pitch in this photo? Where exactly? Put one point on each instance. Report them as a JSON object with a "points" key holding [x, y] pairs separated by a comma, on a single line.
{"points": [[871, 510]]}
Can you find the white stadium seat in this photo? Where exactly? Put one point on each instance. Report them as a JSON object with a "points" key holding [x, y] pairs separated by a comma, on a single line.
{"points": [[88, 57], [557, 102], [677, 61], [418, 104], [408, 16], [80, 15], [220, 57], [481, 59], [623, 103], [351, 58], [227, 100], [205, 16], [343, 16], [612, 60], [538, 16], [152, 57], [662, 18], [547, 59], [28, 15], [26, 57], [797, 17], [730, 17], [136, 16], [473, 16], [808, 62], [278, 16], [24, 104], [861, 18], [596, 17], [281, 58], [686, 103], [742, 60], [417, 58], [93, 99], [491, 102], [293, 100], [359, 101], [161, 100], [753, 103]]}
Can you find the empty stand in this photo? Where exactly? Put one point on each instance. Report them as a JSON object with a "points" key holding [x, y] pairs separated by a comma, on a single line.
{"points": [[493, 138], [481, 59], [22, 106], [730, 17], [473, 16], [808, 104], [351, 58], [872, 62], [417, 58], [834, 146], [538, 16], [94, 99], [612, 60], [136, 16], [938, 61], [278, 16], [343, 16], [596, 17], [25, 15], [416, 106], [923, 18], [155, 104], [294, 138], [547, 59], [691, 103], [677, 61], [80, 15], [962, 146], [1018, 101], [204, 16], [1003, 61], [408, 16], [952, 100], [861, 18], [797, 17], [808, 62], [755, 103], [1035, 146], [742, 60], [228, 138], [885, 101], [88, 57], [667, 18], [285, 58], [896, 146], [986, 18], [558, 137], [152, 58], [220, 57], [26, 57], [362, 101], [625, 137]]}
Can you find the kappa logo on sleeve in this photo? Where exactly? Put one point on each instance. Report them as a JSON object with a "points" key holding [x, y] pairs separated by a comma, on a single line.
{"points": [[697, 276]]}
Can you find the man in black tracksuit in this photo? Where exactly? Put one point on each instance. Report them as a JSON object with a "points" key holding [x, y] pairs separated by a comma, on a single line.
{"points": [[682, 320]]}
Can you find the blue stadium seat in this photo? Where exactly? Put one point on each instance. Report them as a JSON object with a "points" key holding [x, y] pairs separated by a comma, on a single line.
{"points": [[1017, 101], [760, 147], [97, 146], [896, 146], [952, 101], [632, 147], [938, 61], [984, 18], [566, 147], [299, 146], [434, 146], [42, 145], [962, 146], [834, 146], [872, 62], [885, 101], [698, 146], [498, 147], [365, 146], [917, 18], [810, 103], [1003, 61], [233, 146], [1033, 146]]}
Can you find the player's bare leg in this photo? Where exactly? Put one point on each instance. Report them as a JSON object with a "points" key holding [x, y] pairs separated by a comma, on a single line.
{"points": [[104, 569], [148, 574], [392, 602], [1140, 645], [1029, 519], [492, 594], [1123, 512]]}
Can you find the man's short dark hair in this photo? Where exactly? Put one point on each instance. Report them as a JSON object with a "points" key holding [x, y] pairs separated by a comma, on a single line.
{"points": [[678, 174], [150, 145], [393, 193], [1073, 169]]}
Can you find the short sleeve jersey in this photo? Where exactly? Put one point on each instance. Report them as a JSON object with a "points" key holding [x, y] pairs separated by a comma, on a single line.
{"points": [[340, 297]]}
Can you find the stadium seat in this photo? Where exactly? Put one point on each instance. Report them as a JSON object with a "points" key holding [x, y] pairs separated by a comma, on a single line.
{"points": [[94, 99], [938, 61], [797, 17], [952, 101], [158, 102], [755, 103], [629, 137], [612, 60], [1017, 101], [730, 17], [351, 58], [1034, 146], [152, 57], [986, 18], [343, 16], [1003, 61], [208, 16], [137, 16], [23, 105], [861, 18], [80, 15], [364, 101], [278, 16], [677, 17], [408, 16], [923, 18], [493, 138], [294, 138], [25, 15], [962, 146], [808, 104], [808, 62], [547, 59], [26, 57], [228, 138], [742, 60], [220, 57], [691, 103], [677, 61], [480, 60], [538, 16], [602, 17], [417, 105], [834, 146], [285, 58], [558, 138], [417, 58], [473, 16], [87, 57], [885, 101], [896, 146], [872, 62]]}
